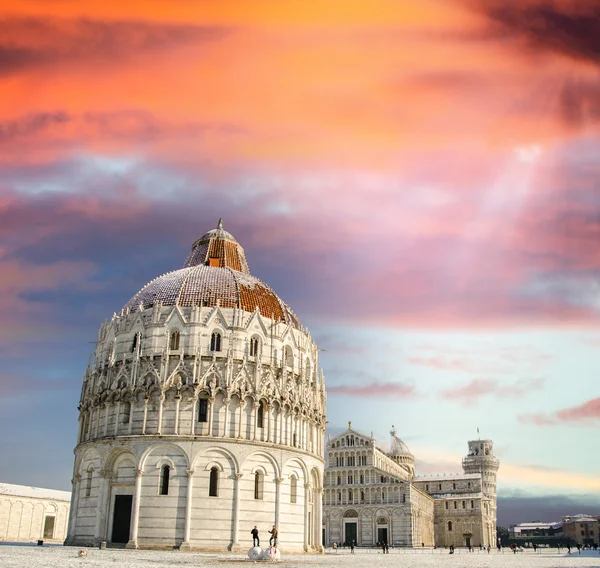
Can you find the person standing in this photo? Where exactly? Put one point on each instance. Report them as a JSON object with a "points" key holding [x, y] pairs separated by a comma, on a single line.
{"points": [[255, 539], [352, 547], [273, 539]]}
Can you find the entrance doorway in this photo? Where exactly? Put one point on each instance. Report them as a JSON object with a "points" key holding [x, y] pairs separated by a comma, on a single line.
{"points": [[382, 535], [351, 532], [122, 519], [468, 541]]}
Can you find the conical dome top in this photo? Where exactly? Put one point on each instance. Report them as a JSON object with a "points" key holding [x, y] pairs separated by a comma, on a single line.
{"points": [[218, 248]]}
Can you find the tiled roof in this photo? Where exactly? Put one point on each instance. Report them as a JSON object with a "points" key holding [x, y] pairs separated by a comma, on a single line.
{"points": [[215, 272]]}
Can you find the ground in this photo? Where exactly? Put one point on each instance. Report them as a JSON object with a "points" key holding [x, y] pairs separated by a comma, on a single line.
{"points": [[66, 557]]}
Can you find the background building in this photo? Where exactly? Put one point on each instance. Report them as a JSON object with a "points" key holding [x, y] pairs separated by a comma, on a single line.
{"points": [[201, 415], [372, 496], [28, 514], [581, 529]]}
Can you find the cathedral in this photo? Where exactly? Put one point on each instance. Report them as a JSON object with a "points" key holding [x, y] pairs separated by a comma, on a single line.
{"points": [[202, 414], [371, 496]]}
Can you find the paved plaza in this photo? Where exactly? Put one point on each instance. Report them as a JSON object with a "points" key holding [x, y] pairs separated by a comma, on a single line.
{"points": [[66, 557]]}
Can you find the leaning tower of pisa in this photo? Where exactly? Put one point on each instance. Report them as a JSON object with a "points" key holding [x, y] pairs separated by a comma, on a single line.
{"points": [[481, 459]]}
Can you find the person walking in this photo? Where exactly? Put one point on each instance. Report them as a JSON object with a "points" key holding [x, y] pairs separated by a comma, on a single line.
{"points": [[255, 539], [273, 539], [352, 547]]}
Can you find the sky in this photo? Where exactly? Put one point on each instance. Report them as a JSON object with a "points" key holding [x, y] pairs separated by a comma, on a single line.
{"points": [[418, 180]]}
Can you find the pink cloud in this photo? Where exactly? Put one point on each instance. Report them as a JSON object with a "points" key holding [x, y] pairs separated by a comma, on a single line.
{"points": [[374, 390], [472, 391], [583, 414], [479, 388]]}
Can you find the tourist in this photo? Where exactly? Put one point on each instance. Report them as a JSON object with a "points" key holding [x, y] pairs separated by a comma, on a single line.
{"points": [[273, 539], [352, 547], [255, 539], [387, 547]]}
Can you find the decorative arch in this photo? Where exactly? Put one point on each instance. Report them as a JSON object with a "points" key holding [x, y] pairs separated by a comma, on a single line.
{"points": [[298, 461], [159, 446], [270, 458], [117, 455], [166, 461], [215, 464], [204, 452]]}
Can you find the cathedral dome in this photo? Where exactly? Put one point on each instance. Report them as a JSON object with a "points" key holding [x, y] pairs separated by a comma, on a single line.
{"points": [[215, 273], [399, 448], [401, 454]]}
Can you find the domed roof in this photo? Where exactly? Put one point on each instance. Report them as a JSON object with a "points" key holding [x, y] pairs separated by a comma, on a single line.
{"points": [[215, 273], [399, 448]]}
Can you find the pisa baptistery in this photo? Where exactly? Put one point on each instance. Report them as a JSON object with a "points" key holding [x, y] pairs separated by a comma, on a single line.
{"points": [[202, 414]]}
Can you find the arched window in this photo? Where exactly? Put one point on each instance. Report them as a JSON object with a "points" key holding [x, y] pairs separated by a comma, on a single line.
{"points": [[350, 496], [454, 486], [165, 472], [362, 478], [88, 485], [174, 344], [258, 485], [260, 415], [449, 526], [202, 410], [134, 343], [339, 480], [213, 487], [339, 496], [293, 489], [362, 496], [126, 412], [215, 341], [254, 347], [289, 356]]}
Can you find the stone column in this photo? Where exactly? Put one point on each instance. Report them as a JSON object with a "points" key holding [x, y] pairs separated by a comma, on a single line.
{"points": [[80, 432], [185, 545], [241, 414], [101, 508], [194, 410], [306, 504], [146, 399], [92, 423], [105, 431], [226, 403], [177, 403], [319, 520], [132, 403], [161, 402], [211, 404], [135, 510], [75, 482], [278, 482], [253, 429], [97, 422], [280, 438], [236, 512]]}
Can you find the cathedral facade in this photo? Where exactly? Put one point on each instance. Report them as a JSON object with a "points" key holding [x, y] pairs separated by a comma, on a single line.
{"points": [[372, 496], [202, 415]]}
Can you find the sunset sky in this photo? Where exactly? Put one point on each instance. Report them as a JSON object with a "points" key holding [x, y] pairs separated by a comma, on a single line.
{"points": [[420, 181]]}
